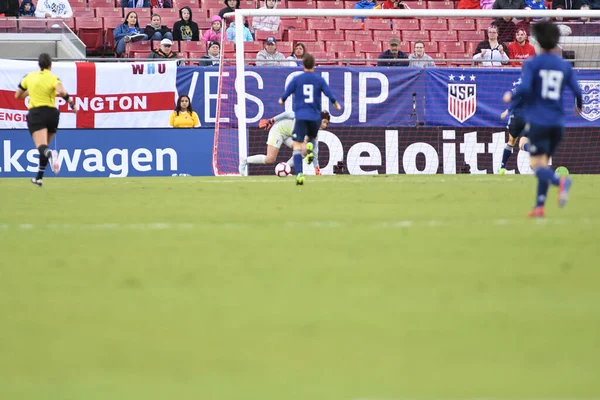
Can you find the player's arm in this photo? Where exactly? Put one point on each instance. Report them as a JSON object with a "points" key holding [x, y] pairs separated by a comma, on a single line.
{"points": [[267, 123], [577, 91], [21, 92], [288, 91], [525, 88], [330, 95], [60, 89]]}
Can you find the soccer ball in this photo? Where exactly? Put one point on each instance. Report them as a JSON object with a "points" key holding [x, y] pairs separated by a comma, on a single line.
{"points": [[282, 170]]}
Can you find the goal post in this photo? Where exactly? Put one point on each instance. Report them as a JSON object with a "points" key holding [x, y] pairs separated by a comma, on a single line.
{"points": [[241, 131]]}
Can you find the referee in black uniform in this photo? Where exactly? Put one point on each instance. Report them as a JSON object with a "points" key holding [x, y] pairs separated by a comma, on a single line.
{"points": [[41, 87]]}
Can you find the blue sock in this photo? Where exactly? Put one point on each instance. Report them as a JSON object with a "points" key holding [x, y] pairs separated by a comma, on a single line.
{"points": [[505, 156], [298, 161], [526, 147], [548, 175], [544, 175]]}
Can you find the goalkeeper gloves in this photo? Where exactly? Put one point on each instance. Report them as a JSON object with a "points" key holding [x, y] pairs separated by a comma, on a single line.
{"points": [[266, 124]]}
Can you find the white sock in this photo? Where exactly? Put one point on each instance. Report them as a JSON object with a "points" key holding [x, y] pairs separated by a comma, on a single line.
{"points": [[290, 162], [257, 159]]}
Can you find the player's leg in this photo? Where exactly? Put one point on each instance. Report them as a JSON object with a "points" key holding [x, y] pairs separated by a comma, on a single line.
{"points": [[541, 148], [508, 150], [563, 182], [52, 128], [301, 128], [316, 160], [39, 133], [524, 143], [313, 131]]}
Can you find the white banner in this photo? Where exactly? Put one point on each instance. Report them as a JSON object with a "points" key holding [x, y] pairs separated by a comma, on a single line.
{"points": [[108, 95]]}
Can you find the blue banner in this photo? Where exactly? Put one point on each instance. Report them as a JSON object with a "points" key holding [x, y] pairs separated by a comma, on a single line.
{"points": [[113, 152], [382, 97]]}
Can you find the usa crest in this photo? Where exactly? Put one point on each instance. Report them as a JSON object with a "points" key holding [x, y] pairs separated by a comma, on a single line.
{"points": [[462, 100], [591, 99]]}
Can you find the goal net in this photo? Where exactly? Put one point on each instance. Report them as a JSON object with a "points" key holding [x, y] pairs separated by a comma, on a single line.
{"points": [[401, 118]]}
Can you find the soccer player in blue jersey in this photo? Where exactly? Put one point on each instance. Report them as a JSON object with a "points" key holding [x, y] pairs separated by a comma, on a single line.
{"points": [[307, 89], [544, 78], [515, 127]]}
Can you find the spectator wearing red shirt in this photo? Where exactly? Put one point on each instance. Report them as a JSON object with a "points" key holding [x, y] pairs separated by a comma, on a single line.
{"points": [[520, 49]]}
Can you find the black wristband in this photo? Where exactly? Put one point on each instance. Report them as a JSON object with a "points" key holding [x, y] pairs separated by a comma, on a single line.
{"points": [[66, 97]]}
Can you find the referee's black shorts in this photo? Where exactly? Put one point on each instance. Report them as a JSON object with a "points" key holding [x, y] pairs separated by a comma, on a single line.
{"points": [[43, 117]]}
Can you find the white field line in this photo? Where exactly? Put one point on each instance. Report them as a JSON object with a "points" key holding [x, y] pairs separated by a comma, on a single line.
{"points": [[332, 179], [166, 226]]}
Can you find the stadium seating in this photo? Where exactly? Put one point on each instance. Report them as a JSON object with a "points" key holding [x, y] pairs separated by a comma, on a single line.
{"points": [[8, 25], [90, 31]]}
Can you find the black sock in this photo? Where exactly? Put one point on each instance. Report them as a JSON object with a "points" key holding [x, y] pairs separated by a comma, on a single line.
{"points": [[45, 153]]}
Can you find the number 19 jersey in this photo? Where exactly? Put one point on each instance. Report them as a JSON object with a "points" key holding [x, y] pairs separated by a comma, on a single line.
{"points": [[307, 89], [544, 78]]}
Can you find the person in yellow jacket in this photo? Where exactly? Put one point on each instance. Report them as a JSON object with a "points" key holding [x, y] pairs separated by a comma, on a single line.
{"points": [[184, 116]]}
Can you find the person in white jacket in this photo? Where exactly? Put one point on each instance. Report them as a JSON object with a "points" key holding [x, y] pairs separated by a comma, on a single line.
{"points": [[53, 9], [266, 23]]}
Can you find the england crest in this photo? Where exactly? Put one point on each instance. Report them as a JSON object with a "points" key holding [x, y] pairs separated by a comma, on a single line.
{"points": [[591, 99], [462, 100]]}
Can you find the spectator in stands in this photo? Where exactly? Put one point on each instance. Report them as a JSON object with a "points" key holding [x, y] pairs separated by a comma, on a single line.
{"points": [[491, 51], [266, 23], [135, 3], [212, 56], [592, 4], [506, 29], [392, 54], [53, 9], [364, 5], [230, 6], [269, 56], [184, 116], [468, 5], [161, 4], [392, 4], [214, 33], [9, 8], [418, 58], [128, 31], [566, 4], [535, 5], [296, 56], [509, 4], [231, 33], [164, 51], [27, 9], [156, 31], [186, 29], [520, 49]]}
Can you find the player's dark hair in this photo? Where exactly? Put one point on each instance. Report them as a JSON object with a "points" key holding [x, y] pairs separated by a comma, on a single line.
{"points": [[547, 34], [45, 61], [326, 115], [308, 60], [178, 108]]}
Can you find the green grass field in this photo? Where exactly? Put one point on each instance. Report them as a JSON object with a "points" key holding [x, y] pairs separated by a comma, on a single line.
{"points": [[395, 288]]}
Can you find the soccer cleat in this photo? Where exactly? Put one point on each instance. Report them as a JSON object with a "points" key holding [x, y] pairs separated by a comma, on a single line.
{"points": [[309, 153], [243, 168], [300, 179], [537, 212], [55, 164], [37, 182], [563, 190], [502, 171], [317, 171]]}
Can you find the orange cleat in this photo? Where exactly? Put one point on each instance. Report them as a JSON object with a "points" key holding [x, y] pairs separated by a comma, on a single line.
{"points": [[537, 212], [317, 171]]}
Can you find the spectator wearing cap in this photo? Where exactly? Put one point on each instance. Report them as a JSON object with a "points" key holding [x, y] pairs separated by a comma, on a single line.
{"points": [[164, 50], [418, 58], [392, 54], [214, 33], [231, 33], [491, 52], [212, 56], [520, 49], [267, 23], [269, 56]]}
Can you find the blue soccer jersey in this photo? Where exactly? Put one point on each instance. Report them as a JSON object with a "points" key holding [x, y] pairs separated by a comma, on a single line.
{"points": [[516, 106], [307, 89], [544, 78]]}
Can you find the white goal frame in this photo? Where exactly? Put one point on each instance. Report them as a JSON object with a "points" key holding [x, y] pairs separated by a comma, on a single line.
{"points": [[240, 14]]}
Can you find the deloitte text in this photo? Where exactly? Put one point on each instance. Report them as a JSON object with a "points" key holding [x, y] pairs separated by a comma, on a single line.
{"points": [[117, 162]]}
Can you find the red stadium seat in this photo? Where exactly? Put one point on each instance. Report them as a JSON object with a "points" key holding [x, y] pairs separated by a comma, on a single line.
{"points": [[90, 32], [371, 58], [436, 24], [440, 5], [301, 36], [32, 25], [444, 36], [172, 12], [367, 47], [336, 5], [316, 24], [8, 25], [313, 47], [336, 47], [75, 3], [418, 5], [84, 12], [254, 47], [69, 22], [460, 24], [357, 58], [143, 14], [467, 56], [203, 23], [468, 36], [101, 3], [347, 24], [375, 24], [110, 23], [263, 35], [211, 4], [385, 36], [194, 55], [330, 35], [228, 47], [292, 23], [109, 12], [285, 47], [452, 47], [140, 54], [136, 47], [193, 4], [406, 24], [413, 36], [365, 36], [301, 5], [430, 47], [481, 24], [193, 47]]}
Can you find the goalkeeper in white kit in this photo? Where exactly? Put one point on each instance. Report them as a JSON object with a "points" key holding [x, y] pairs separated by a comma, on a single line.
{"points": [[281, 128]]}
